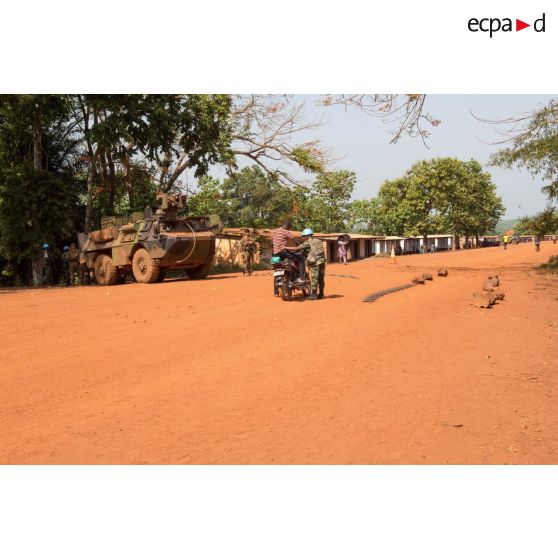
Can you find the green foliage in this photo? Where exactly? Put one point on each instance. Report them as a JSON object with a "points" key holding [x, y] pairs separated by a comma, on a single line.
{"points": [[248, 198], [307, 159], [208, 200], [109, 152], [251, 198], [366, 217], [132, 190], [551, 266], [440, 195], [328, 202], [20, 115], [472, 204], [545, 222], [394, 216], [156, 127], [255, 199], [535, 147], [34, 208]]}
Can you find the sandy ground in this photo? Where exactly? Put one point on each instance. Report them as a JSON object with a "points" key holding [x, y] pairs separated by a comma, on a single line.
{"points": [[220, 371]]}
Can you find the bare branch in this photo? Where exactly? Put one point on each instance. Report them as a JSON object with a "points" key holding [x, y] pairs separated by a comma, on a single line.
{"points": [[523, 128], [272, 130], [405, 110]]}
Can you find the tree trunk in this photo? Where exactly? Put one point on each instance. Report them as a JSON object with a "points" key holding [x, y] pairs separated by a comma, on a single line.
{"points": [[112, 180], [89, 203], [37, 147], [476, 240], [37, 270], [91, 171], [128, 180], [37, 260], [455, 241]]}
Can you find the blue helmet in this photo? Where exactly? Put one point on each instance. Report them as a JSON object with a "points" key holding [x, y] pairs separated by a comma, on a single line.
{"points": [[307, 232], [66, 248], [45, 246]]}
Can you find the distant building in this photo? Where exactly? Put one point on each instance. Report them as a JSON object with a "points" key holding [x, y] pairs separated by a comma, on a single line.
{"points": [[227, 250]]}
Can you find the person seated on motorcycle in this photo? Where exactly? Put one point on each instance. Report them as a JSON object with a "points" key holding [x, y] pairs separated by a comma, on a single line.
{"points": [[316, 258], [280, 238]]}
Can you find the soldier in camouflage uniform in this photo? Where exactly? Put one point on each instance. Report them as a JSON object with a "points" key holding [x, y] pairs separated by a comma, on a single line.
{"points": [[248, 247], [73, 260], [48, 275], [66, 265], [313, 248]]}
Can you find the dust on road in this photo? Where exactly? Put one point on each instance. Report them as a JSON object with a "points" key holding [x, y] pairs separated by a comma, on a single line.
{"points": [[220, 371]]}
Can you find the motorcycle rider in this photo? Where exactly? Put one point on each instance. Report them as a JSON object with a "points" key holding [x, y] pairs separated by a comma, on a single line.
{"points": [[315, 256], [280, 238]]}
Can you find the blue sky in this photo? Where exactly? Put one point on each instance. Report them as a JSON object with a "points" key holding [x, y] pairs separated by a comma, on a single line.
{"points": [[362, 143]]}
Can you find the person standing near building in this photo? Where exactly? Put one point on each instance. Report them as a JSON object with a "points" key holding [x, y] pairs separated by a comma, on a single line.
{"points": [[505, 240], [537, 243], [315, 256], [342, 243], [248, 247]]}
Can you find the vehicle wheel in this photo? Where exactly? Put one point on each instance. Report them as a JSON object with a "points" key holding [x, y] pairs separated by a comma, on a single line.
{"points": [[105, 272], [285, 291], [145, 268], [200, 272]]}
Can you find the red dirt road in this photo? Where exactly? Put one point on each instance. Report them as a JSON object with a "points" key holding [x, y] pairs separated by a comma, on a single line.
{"points": [[219, 371]]}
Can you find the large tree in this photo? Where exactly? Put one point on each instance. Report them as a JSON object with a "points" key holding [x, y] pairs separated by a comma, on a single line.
{"points": [[35, 163], [247, 198], [532, 143], [544, 222], [366, 217], [35, 207], [276, 133], [441, 195], [470, 204], [156, 136], [412, 203], [328, 201]]}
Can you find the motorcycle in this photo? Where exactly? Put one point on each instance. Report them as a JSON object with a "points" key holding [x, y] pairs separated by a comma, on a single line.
{"points": [[286, 278]]}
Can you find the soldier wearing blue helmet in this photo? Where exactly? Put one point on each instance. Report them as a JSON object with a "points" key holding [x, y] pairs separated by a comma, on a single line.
{"points": [[313, 248], [47, 266]]}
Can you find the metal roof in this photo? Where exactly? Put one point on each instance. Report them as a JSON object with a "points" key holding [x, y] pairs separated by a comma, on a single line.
{"points": [[238, 231]]}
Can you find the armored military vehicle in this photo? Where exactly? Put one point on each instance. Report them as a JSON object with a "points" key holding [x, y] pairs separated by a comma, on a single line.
{"points": [[148, 244]]}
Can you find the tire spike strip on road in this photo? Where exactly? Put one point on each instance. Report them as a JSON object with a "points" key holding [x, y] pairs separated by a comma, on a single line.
{"points": [[378, 294]]}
